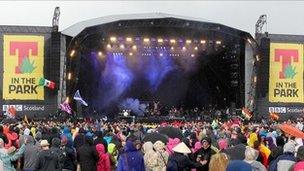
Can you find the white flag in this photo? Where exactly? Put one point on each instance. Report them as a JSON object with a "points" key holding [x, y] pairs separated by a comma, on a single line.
{"points": [[77, 97]]}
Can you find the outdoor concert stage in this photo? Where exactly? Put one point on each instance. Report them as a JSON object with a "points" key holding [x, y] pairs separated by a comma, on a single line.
{"points": [[126, 61]]}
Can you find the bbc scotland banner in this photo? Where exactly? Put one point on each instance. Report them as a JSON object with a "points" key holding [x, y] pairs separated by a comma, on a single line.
{"points": [[286, 73], [23, 61]]}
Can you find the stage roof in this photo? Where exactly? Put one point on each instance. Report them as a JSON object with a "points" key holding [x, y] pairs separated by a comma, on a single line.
{"points": [[25, 29], [78, 27]]}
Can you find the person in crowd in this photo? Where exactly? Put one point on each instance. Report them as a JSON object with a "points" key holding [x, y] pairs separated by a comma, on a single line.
{"points": [[5, 150], [2, 135], [131, 159], [178, 161], [250, 157], [149, 156], [30, 154], [162, 156], [286, 160], [100, 140], [237, 152], [113, 152], [87, 155], [103, 163], [218, 162], [12, 137], [79, 139], [67, 133], [204, 154], [26, 134], [47, 161], [55, 149], [262, 152], [238, 165], [7, 159], [223, 144], [69, 154], [278, 150], [299, 166]]}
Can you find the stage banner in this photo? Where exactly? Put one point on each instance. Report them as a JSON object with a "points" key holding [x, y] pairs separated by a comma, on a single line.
{"points": [[286, 73], [23, 60]]}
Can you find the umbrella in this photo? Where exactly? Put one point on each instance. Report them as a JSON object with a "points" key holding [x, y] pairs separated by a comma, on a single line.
{"points": [[171, 132], [293, 131], [153, 137]]}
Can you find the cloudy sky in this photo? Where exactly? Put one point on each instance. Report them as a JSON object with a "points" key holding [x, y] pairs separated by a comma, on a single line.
{"points": [[284, 17]]}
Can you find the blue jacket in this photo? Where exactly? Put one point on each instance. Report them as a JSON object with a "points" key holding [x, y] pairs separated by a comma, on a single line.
{"points": [[131, 159], [283, 162]]}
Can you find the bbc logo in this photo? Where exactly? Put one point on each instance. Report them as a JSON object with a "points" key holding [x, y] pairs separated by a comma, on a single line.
{"points": [[17, 107], [277, 109]]}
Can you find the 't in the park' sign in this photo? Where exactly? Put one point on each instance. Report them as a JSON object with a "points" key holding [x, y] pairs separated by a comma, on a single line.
{"points": [[286, 73], [23, 67]]}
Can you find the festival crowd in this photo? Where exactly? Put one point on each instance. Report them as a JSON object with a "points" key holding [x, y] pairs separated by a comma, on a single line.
{"points": [[96, 145]]}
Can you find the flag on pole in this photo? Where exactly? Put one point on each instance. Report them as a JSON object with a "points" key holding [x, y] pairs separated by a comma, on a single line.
{"points": [[11, 111], [274, 116], [46, 83], [78, 97], [25, 119], [246, 113], [66, 107]]}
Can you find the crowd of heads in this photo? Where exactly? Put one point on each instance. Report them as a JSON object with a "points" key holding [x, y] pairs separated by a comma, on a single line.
{"points": [[98, 145]]}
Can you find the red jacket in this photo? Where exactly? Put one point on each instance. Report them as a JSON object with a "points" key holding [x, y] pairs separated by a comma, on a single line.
{"points": [[103, 163]]}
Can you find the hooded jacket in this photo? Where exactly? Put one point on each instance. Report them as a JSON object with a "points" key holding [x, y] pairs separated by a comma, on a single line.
{"points": [[103, 163], [149, 156], [30, 154], [131, 159], [87, 156], [283, 162], [6, 159], [47, 161]]}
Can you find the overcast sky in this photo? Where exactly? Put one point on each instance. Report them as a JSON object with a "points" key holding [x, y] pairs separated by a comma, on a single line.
{"points": [[284, 17]]}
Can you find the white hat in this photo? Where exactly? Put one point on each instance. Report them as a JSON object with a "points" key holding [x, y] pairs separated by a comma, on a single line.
{"points": [[181, 148], [44, 143]]}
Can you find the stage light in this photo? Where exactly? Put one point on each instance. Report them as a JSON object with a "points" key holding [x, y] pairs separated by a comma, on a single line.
{"points": [[72, 53], [122, 46], [172, 48], [69, 76], [129, 39], [192, 55], [184, 48], [172, 41], [113, 39], [255, 79], [160, 40], [188, 41], [99, 53], [146, 40], [134, 47], [195, 48], [203, 41], [218, 42], [249, 41], [109, 46], [131, 54], [160, 54], [67, 100], [257, 58]]}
